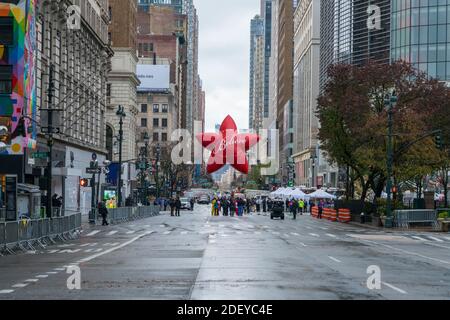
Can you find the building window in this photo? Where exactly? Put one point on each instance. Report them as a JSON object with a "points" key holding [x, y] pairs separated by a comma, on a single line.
{"points": [[164, 123], [156, 108], [144, 123], [144, 108], [6, 31], [155, 123], [155, 136], [164, 137], [165, 108], [5, 79]]}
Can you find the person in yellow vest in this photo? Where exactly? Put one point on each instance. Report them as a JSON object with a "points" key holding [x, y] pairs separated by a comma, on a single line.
{"points": [[301, 204], [213, 207]]}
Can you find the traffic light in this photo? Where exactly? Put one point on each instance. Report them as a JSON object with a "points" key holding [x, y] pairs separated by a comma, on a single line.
{"points": [[84, 183], [438, 141]]}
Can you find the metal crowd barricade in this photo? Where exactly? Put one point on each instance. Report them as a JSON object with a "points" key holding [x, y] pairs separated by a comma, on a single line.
{"points": [[403, 218]]}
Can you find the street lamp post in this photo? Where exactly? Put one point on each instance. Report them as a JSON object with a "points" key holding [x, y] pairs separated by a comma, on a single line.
{"points": [[313, 166], [158, 155], [390, 102], [121, 114], [143, 168]]}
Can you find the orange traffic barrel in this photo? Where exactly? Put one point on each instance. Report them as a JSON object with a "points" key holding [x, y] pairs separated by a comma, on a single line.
{"points": [[315, 212], [333, 215], [344, 215]]}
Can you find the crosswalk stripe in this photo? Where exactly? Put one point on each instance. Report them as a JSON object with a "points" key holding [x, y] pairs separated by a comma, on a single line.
{"points": [[184, 232], [93, 233], [85, 245], [42, 276], [295, 234], [166, 233], [6, 291], [32, 280], [20, 285], [131, 232], [419, 238], [331, 235], [435, 239], [112, 233], [314, 235], [334, 259]]}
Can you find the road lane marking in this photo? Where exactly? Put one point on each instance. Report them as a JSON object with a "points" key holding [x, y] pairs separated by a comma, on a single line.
{"points": [[435, 239], [112, 233], [87, 259], [20, 285], [419, 238], [331, 235], [304, 245], [323, 228], [407, 252], [59, 269], [184, 232], [32, 280], [69, 251], [6, 291], [147, 226], [166, 233], [42, 276], [394, 288], [52, 272], [309, 228], [88, 250], [131, 232], [447, 238], [85, 245], [93, 233], [314, 235], [334, 259]]}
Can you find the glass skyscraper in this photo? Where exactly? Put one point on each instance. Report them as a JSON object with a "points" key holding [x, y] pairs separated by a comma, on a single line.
{"points": [[177, 4], [256, 30], [421, 35]]}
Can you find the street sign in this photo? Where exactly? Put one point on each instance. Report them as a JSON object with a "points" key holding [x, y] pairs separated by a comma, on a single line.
{"points": [[93, 170], [39, 155], [46, 130]]}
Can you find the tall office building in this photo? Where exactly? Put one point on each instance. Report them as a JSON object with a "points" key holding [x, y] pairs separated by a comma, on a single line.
{"points": [[266, 15], [122, 86], [421, 35], [256, 31], [346, 37], [285, 84], [176, 4], [306, 88]]}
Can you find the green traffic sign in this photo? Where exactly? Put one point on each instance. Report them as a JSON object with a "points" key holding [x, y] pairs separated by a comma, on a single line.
{"points": [[39, 155]]}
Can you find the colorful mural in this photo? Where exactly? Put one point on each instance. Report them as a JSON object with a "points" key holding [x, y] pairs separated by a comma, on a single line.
{"points": [[20, 106]]}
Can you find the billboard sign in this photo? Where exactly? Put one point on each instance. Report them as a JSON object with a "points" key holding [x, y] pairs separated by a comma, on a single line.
{"points": [[153, 77]]}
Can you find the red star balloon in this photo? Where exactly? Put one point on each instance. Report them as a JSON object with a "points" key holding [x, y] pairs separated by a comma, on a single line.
{"points": [[228, 147]]}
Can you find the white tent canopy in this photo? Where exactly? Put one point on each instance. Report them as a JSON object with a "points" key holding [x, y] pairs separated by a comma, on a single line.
{"points": [[298, 194], [278, 192], [320, 194]]}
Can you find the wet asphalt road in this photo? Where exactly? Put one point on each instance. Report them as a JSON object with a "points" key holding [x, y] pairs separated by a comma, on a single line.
{"points": [[200, 257]]}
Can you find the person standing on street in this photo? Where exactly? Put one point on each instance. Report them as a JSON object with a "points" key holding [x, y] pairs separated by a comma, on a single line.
{"points": [[301, 205], [178, 206], [265, 205], [172, 206], [321, 205], [192, 204], [294, 208], [103, 213]]}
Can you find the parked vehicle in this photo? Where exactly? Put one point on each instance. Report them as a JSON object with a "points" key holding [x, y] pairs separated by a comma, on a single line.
{"points": [[204, 199], [277, 210], [185, 204]]}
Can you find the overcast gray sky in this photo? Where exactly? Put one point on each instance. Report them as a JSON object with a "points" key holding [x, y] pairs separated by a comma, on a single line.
{"points": [[224, 57]]}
